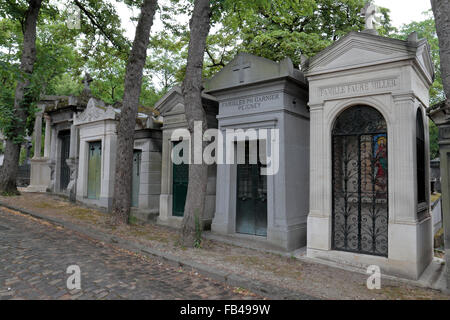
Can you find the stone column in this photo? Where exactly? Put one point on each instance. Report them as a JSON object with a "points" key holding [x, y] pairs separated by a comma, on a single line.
{"points": [[37, 135], [73, 141], [52, 159], [47, 144], [39, 172]]}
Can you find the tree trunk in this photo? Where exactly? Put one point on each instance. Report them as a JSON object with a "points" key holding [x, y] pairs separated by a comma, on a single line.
{"points": [[125, 129], [14, 136], [192, 89], [441, 11]]}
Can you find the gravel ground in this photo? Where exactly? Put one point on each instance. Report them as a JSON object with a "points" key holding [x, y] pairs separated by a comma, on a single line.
{"points": [[308, 278]]}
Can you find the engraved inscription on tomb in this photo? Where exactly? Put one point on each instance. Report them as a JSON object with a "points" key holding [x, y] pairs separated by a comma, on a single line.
{"points": [[251, 103], [358, 87]]}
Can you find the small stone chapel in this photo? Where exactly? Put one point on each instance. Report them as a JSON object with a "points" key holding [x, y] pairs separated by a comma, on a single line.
{"points": [[175, 177], [79, 153], [257, 93], [350, 131], [369, 174]]}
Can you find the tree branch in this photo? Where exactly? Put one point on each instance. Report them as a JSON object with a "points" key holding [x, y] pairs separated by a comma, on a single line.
{"points": [[93, 20], [214, 63]]}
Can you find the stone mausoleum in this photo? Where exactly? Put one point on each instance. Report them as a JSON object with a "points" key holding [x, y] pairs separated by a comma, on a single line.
{"points": [[347, 132], [257, 93], [175, 177], [79, 153], [369, 175]]}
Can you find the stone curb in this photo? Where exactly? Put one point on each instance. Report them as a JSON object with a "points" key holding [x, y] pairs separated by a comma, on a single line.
{"points": [[233, 280]]}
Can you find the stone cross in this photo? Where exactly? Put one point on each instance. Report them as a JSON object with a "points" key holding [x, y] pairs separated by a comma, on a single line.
{"points": [[87, 81], [240, 67], [369, 12]]}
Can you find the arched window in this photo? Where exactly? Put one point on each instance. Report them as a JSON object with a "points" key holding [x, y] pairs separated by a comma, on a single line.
{"points": [[420, 157], [360, 182]]}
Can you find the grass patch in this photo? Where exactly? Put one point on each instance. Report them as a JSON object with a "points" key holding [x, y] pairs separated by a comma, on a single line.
{"points": [[285, 269], [132, 220], [150, 235], [44, 205], [10, 193]]}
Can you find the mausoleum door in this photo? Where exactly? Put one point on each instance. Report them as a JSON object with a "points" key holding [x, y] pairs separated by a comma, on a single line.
{"points": [[180, 173], [136, 178], [360, 182], [94, 170], [65, 151], [251, 200]]}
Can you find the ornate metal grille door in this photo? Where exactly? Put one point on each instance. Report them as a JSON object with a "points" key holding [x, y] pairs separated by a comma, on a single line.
{"points": [[360, 182]]}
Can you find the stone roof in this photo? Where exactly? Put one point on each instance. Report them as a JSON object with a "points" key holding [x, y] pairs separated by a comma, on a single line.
{"points": [[175, 96], [247, 69], [98, 110], [361, 49]]}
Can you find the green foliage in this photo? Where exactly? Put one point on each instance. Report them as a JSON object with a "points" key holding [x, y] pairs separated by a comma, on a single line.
{"points": [[22, 156], [290, 28], [384, 26], [434, 140], [167, 59], [426, 29], [132, 220], [63, 55], [52, 52], [100, 23], [273, 29]]}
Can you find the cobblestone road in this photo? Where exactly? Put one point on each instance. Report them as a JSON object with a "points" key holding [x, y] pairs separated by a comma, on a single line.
{"points": [[34, 256]]}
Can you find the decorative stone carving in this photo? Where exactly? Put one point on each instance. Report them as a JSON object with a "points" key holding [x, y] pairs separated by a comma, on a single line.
{"points": [[51, 164], [95, 111], [71, 187]]}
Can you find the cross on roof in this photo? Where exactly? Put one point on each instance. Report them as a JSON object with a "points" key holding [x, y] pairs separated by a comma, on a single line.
{"points": [[87, 80], [241, 66]]}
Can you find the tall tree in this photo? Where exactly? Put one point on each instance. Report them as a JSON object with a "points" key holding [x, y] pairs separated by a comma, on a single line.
{"points": [[127, 122], [192, 94], [16, 130], [441, 12]]}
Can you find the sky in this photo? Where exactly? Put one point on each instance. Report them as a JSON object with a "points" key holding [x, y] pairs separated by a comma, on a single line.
{"points": [[402, 12], [405, 11]]}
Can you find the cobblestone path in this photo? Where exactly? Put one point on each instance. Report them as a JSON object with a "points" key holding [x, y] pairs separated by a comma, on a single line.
{"points": [[34, 256]]}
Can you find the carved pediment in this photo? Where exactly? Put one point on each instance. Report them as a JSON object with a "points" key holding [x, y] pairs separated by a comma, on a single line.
{"points": [[358, 49], [173, 102], [95, 111], [424, 59], [170, 102]]}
